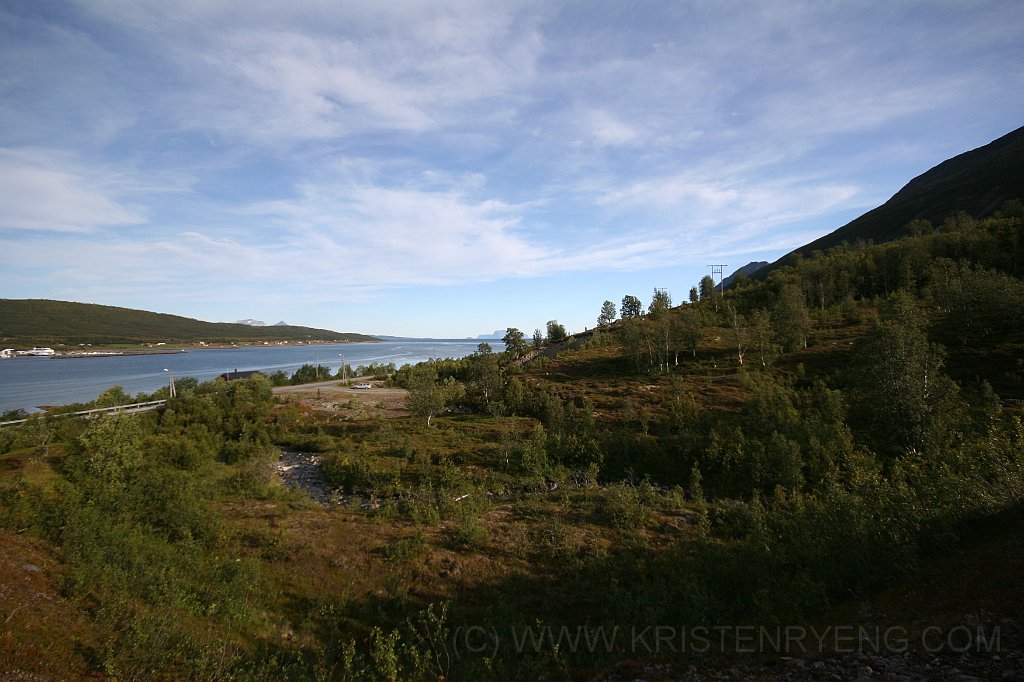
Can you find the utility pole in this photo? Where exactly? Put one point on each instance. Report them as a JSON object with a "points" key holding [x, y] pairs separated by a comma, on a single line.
{"points": [[318, 366], [718, 270], [170, 388], [344, 370]]}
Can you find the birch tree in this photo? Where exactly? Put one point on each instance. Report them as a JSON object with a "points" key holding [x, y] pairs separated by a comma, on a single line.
{"points": [[740, 330]]}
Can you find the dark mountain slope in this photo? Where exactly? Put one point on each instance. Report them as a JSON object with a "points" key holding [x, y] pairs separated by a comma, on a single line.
{"points": [[977, 182], [62, 321], [747, 270]]}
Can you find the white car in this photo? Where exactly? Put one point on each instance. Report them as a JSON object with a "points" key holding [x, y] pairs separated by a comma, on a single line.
{"points": [[363, 385]]}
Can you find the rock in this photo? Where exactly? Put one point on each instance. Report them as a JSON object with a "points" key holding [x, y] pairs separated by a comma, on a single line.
{"points": [[302, 470]]}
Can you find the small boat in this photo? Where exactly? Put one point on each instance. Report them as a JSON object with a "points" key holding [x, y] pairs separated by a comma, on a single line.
{"points": [[8, 353], [38, 351]]}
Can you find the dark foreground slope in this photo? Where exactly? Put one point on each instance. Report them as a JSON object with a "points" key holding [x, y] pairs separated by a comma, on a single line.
{"points": [[978, 182], [38, 321]]}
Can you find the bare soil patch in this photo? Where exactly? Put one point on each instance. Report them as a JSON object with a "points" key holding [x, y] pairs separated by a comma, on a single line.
{"points": [[354, 403]]}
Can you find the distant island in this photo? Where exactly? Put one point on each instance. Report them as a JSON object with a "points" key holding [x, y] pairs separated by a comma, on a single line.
{"points": [[40, 322]]}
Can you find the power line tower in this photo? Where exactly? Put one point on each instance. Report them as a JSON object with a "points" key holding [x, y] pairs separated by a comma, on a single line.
{"points": [[718, 270], [662, 296]]}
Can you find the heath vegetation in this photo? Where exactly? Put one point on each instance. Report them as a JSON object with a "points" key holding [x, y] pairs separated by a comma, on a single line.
{"points": [[758, 455]]}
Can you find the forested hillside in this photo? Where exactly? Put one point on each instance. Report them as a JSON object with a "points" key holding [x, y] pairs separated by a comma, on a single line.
{"points": [[812, 448], [33, 321]]}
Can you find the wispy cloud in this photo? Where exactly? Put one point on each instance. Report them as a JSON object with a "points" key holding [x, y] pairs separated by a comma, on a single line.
{"points": [[273, 74], [387, 236], [608, 130], [46, 190]]}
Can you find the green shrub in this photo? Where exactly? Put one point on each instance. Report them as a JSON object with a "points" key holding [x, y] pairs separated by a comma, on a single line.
{"points": [[731, 518], [407, 549], [418, 650], [252, 478], [469, 531], [357, 471], [421, 507], [316, 441], [623, 507]]}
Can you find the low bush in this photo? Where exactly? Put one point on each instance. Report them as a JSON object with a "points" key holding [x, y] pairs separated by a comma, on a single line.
{"points": [[622, 507]]}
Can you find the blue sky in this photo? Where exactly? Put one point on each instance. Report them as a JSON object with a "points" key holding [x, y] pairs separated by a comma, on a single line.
{"points": [[448, 169]]}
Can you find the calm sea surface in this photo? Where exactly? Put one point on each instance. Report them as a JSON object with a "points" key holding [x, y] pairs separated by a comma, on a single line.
{"points": [[27, 382]]}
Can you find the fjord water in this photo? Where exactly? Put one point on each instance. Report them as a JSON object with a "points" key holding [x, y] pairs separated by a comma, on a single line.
{"points": [[28, 382]]}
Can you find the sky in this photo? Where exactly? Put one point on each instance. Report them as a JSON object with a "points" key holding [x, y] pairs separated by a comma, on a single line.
{"points": [[447, 169]]}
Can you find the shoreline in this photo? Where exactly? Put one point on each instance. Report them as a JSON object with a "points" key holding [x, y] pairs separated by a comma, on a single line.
{"points": [[110, 352], [77, 355], [33, 382]]}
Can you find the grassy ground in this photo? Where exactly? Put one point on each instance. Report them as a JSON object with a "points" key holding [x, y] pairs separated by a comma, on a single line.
{"points": [[446, 520], [40, 630]]}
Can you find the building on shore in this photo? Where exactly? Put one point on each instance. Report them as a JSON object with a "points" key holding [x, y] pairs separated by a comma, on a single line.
{"points": [[236, 375]]}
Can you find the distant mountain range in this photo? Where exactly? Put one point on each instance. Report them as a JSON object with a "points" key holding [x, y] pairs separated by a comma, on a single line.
{"points": [[496, 334], [261, 323], [747, 270], [44, 322]]}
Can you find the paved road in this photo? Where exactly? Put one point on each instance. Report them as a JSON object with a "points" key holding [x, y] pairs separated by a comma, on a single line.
{"points": [[305, 388]]}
